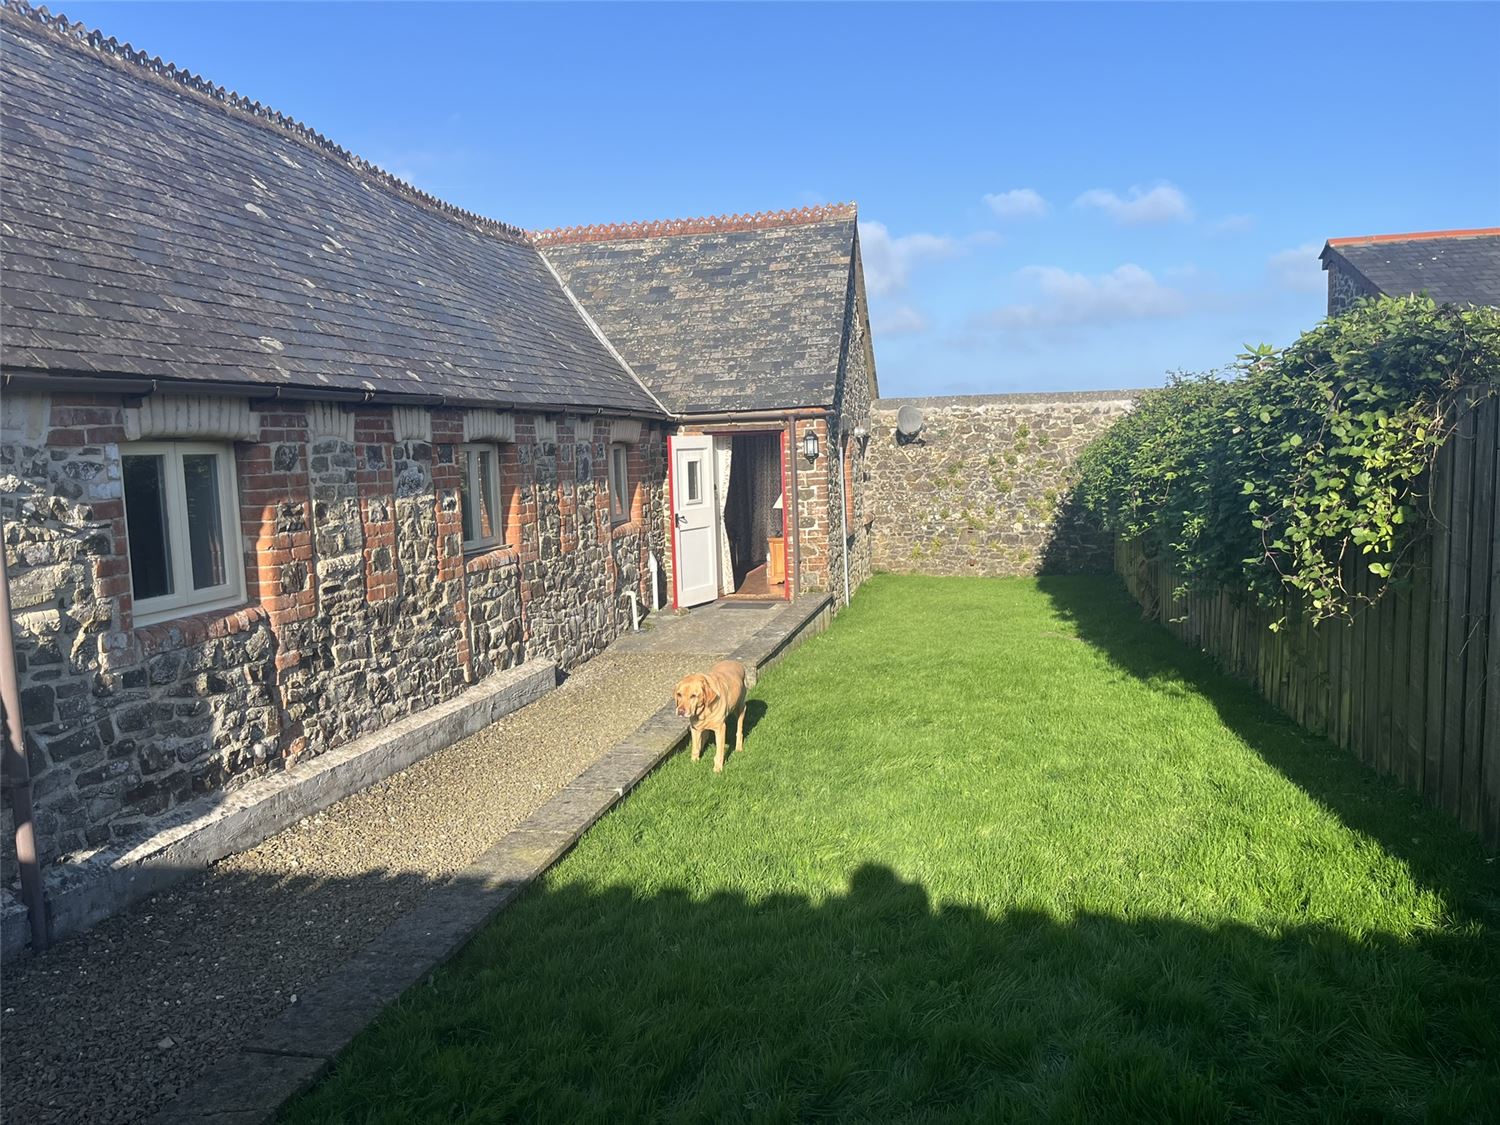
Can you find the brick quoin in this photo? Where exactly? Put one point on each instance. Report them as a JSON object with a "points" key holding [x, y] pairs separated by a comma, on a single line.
{"points": [[447, 436], [280, 566], [375, 481], [567, 486]]}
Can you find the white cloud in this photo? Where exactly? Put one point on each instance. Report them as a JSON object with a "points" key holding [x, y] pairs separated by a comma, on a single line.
{"points": [[899, 320], [1298, 269], [889, 261], [1019, 203], [1062, 298], [1161, 204]]}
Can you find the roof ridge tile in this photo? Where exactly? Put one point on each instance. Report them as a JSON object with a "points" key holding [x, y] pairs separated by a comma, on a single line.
{"points": [[80, 35], [705, 224], [1415, 236]]}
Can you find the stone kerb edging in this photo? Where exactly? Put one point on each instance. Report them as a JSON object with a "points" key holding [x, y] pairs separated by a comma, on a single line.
{"points": [[292, 1051], [199, 833]]}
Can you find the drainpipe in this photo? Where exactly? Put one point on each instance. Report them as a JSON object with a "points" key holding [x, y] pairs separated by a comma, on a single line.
{"points": [[17, 771], [844, 517]]}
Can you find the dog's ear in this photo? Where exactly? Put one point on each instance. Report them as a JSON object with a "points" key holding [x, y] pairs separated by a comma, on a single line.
{"points": [[709, 695]]}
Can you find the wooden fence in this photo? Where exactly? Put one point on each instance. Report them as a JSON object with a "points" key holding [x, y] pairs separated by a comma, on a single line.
{"points": [[1412, 685]]}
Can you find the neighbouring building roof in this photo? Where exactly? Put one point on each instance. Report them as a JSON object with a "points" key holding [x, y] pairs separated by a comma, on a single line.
{"points": [[1451, 266], [737, 313], [157, 226]]}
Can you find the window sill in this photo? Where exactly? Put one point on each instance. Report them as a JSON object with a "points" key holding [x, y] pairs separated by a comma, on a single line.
{"points": [[477, 559], [626, 527], [195, 628]]}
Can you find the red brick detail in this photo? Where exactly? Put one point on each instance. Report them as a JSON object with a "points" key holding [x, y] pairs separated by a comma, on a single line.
{"points": [[567, 487], [199, 627], [447, 436], [374, 431], [276, 519], [518, 507], [1416, 236], [481, 561]]}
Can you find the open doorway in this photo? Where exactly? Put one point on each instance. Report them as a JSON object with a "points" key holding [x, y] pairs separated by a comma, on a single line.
{"points": [[754, 517]]}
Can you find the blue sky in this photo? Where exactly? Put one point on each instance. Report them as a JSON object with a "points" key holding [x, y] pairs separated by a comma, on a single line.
{"points": [[1051, 196]]}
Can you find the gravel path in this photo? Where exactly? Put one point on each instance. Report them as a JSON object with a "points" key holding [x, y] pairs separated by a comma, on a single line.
{"points": [[109, 1025]]}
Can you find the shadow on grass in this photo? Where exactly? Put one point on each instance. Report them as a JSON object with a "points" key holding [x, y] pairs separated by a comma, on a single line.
{"points": [[1438, 853], [595, 1004], [755, 711]]}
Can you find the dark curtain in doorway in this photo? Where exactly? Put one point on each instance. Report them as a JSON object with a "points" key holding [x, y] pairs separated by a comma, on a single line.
{"points": [[750, 515]]}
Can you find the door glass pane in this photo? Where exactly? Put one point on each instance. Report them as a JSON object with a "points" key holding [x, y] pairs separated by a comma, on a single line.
{"points": [[205, 522], [694, 486], [486, 512], [146, 526]]}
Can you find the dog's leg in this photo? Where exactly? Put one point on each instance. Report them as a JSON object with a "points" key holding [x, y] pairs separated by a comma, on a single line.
{"points": [[697, 743], [739, 734], [721, 732]]}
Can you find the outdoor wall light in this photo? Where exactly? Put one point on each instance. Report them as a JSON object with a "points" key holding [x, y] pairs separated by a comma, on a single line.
{"points": [[810, 445]]}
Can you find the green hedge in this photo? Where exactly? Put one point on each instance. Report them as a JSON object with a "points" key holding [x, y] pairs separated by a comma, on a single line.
{"points": [[1269, 480]]}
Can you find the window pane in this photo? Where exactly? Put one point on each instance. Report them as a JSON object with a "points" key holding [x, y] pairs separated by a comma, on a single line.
{"points": [[693, 486], [486, 495], [466, 487], [619, 484], [146, 526], [205, 522]]}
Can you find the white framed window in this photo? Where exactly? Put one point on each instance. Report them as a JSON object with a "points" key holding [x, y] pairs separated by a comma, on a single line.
{"points": [[182, 523], [619, 483], [483, 519]]}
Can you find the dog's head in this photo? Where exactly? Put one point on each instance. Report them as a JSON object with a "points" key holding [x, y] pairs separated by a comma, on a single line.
{"points": [[692, 694]]}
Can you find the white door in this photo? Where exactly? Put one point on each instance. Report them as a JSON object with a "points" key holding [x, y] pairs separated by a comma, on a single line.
{"points": [[695, 519]]}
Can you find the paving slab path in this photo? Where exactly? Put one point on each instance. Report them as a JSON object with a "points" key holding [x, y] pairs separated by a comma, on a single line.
{"points": [[110, 1024]]}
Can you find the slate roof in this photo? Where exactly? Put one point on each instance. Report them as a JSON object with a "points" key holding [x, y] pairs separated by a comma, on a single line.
{"points": [[1459, 267], [156, 226], [727, 314]]}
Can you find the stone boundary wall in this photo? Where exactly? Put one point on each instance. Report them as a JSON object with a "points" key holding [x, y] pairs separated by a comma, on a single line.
{"points": [[984, 490]]}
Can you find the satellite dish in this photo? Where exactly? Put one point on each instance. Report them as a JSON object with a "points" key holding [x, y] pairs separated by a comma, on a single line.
{"points": [[908, 424]]}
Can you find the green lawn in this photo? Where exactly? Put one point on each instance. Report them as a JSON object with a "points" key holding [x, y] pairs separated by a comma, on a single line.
{"points": [[997, 849]]}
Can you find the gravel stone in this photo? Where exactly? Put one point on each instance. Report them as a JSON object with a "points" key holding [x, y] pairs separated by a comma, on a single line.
{"points": [[109, 1025]]}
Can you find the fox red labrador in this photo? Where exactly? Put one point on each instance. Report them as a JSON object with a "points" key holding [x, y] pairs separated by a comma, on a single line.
{"points": [[708, 700]]}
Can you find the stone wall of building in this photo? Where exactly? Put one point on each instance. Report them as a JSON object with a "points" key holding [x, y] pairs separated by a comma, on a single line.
{"points": [[814, 490], [361, 604], [1345, 287], [984, 490], [850, 516]]}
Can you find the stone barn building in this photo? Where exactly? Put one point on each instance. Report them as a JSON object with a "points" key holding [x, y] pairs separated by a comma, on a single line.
{"points": [[291, 452], [1460, 267], [755, 335]]}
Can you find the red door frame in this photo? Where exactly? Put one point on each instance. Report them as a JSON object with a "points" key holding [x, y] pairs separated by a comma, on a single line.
{"points": [[788, 508], [672, 517], [786, 501]]}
